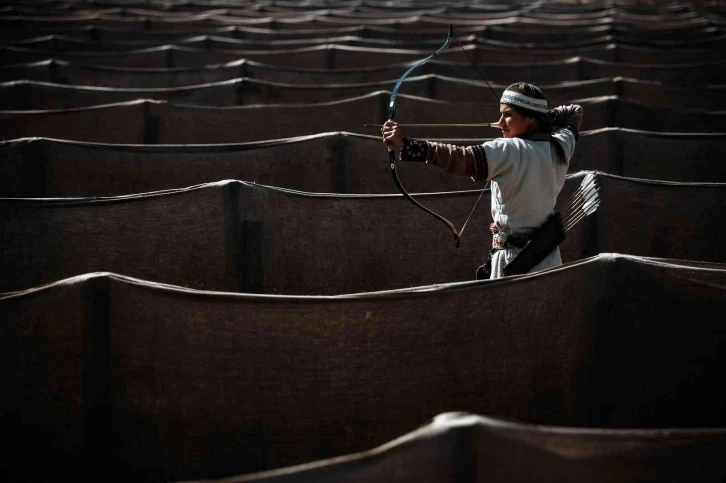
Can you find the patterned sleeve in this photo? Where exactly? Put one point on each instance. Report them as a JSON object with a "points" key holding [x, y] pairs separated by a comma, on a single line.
{"points": [[456, 160]]}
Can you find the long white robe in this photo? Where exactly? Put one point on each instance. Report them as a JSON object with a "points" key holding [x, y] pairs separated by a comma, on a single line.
{"points": [[526, 179]]}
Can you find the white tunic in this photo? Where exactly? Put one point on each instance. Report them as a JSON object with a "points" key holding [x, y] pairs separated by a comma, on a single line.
{"points": [[526, 179], [526, 176]]}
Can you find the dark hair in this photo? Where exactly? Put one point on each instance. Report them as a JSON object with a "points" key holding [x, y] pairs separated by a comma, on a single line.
{"points": [[544, 120]]}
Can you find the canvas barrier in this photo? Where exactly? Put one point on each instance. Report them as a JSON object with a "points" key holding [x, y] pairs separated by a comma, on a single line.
{"points": [[116, 378], [161, 122], [34, 95], [597, 46], [701, 26], [241, 236], [157, 362], [63, 72], [322, 19], [453, 446], [635, 16], [683, 74], [335, 162], [39, 95], [598, 42], [121, 123], [572, 69], [633, 13], [109, 34], [183, 22], [325, 163], [601, 44], [356, 61]]}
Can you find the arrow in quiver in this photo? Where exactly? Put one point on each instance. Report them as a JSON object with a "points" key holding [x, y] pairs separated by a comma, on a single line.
{"points": [[583, 202]]}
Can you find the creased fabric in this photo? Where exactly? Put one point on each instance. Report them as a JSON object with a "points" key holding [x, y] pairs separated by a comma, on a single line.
{"points": [[142, 380]]}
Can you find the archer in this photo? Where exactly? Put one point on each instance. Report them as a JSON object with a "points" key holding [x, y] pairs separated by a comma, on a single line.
{"points": [[527, 168]]}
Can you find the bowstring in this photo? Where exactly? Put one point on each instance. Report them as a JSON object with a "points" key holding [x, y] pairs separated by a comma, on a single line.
{"points": [[461, 232], [488, 183], [528, 8]]}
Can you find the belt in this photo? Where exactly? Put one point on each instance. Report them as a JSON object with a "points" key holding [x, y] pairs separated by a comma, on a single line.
{"points": [[502, 239]]}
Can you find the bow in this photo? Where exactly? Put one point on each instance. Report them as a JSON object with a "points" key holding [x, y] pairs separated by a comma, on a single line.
{"points": [[392, 111], [392, 154]]}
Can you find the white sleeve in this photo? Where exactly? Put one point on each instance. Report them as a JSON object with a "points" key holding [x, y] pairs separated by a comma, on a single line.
{"points": [[567, 140], [502, 156]]}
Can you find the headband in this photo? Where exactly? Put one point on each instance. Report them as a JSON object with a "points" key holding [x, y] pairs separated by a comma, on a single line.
{"points": [[521, 100]]}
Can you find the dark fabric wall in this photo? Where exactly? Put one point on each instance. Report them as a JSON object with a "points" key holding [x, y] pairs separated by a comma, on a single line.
{"points": [[496, 43], [121, 123], [334, 55], [179, 237], [173, 384], [159, 122], [240, 236], [44, 346], [35, 95], [73, 73], [638, 217], [461, 446], [89, 75], [325, 163], [208, 276], [341, 64]]}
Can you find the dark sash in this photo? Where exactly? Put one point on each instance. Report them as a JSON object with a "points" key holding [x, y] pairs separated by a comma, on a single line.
{"points": [[541, 243]]}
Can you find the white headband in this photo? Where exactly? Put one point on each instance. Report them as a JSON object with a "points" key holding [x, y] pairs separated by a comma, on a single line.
{"points": [[519, 99]]}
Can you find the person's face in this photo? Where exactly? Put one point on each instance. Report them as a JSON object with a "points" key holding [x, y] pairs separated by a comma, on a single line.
{"points": [[512, 123]]}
